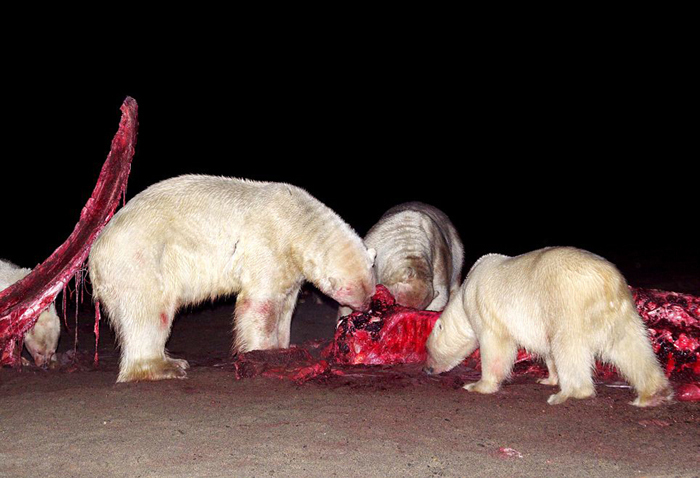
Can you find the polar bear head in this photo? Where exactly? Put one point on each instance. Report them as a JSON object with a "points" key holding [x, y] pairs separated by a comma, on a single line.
{"points": [[42, 339], [353, 282], [412, 285], [345, 273], [451, 340], [443, 354]]}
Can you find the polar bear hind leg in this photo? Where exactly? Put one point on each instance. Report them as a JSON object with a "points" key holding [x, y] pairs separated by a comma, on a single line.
{"points": [[573, 361], [552, 376], [143, 342]]}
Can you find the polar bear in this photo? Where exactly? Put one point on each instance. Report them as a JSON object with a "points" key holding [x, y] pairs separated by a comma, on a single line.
{"points": [[42, 339], [194, 237], [566, 305], [419, 255]]}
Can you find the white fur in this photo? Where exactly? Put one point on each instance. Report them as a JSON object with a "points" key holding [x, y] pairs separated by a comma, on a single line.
{"points": [[419, 255], [566, 305], [192, 238], [42, 339]]}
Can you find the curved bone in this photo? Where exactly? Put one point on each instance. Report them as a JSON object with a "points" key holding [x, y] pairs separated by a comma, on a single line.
{"points": [[21, 303]]}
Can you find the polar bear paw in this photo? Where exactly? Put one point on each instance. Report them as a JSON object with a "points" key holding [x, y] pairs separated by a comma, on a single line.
{"points": [[154, 369], [552, 381], [664, 395], [580, 393], [481, 387]]}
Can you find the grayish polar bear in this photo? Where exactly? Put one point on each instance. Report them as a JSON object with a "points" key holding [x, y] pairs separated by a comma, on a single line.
{"points": [[419, 255]]}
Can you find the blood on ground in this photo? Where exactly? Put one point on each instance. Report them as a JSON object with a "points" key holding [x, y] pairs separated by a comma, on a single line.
{"points": [[387, 338]]}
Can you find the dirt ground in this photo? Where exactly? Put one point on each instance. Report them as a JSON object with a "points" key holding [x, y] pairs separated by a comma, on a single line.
{"points": [[395, 421]]}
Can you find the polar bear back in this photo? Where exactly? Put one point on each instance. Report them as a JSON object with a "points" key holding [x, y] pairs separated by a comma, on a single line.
{"points": [[418, 229], [200, 205], [197, 237], [176, 226]]}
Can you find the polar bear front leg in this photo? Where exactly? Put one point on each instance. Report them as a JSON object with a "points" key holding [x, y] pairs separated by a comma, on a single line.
{"points": [[498, 355], [256, 321], [552, 377], [284, 325]]}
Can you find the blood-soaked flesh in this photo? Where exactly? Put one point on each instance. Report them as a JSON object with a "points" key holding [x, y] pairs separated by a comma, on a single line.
{"points": [[387, 334]]}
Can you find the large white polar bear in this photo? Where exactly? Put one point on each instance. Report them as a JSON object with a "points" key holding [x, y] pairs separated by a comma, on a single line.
{"points": [[193, 237], [42, 339], [419, 255], [566, 305]]}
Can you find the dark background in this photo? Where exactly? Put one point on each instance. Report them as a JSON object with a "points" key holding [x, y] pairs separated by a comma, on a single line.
{"points": [[524, 144]]}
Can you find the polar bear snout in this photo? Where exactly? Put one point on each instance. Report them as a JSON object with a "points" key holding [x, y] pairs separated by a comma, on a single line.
{"points": [[43, 353], [416, 294], [355, 294], [43, 360], [360, 302], [432, 367]]}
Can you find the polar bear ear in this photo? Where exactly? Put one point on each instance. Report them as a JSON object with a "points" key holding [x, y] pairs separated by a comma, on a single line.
{"points": [[372, 254], [409, 273], [333, 283]]}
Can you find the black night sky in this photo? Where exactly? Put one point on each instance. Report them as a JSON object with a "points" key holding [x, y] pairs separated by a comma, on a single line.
{"points": [[521, 149]]}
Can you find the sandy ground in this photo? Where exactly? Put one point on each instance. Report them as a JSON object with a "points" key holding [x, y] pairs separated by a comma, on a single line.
{"points": [[76, 421]]}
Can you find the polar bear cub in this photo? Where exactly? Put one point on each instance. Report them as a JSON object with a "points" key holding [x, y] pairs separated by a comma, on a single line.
{"points": [[566, 305], [194, 237], [42, 339]]}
